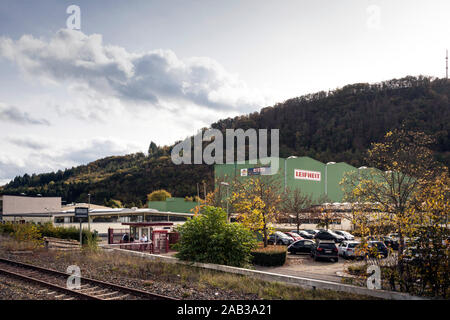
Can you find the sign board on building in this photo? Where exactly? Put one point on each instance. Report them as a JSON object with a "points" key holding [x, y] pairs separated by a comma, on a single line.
{"points": [[307, 175], [261, 171], [81, 212]]}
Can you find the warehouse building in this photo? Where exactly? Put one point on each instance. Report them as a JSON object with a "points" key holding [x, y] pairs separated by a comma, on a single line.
{"points": [[318, 179], [313, 177]]}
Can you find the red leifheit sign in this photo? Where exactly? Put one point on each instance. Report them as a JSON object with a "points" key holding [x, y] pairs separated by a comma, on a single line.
{"points": [[307, 175]]}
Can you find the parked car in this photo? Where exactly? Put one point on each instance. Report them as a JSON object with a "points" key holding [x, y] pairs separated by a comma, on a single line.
{"points": [[394, 236], [378, 247], [345, 234], [390, 242], [325, 249], [349, 249], [280, 238], [328, 235], [311, 231], [301, 246], [306, 235], [413, 256], [387, 240], [294, 236]]}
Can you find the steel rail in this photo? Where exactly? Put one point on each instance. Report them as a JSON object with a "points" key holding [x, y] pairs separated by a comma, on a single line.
{"points": [[119, 288], [49, 285]]}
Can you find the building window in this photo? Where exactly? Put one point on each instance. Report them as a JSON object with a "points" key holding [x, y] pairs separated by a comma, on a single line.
{"points": [[59, 220]]}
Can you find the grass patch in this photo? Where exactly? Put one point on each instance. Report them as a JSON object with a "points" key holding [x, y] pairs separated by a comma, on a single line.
{"points": [[154, 272], [202, 279]]}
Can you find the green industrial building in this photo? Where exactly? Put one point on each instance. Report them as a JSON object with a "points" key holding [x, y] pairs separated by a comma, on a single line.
{"points": [[173, 204], [311, 176]]}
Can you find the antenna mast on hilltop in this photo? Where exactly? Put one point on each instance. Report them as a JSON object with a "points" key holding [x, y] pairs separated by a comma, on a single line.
{"points": [[446, 64]]}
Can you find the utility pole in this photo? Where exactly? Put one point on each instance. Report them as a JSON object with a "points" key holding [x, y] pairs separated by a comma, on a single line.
{"points": [[446, 64], [89, 209]]}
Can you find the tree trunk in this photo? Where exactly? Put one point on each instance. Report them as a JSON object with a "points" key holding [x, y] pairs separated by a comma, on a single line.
{"points": [[401, 243], [265, 232], [265, 236]]}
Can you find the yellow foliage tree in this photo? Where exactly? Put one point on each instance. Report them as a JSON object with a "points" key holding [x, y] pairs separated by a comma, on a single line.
{"points": [[257, 201], [159, 195], [387, 196]]}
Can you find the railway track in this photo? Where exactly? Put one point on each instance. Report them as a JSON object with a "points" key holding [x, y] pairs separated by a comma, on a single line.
{"points": [[90, 289]]}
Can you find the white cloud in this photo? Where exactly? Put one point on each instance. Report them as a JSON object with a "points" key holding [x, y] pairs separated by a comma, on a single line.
{"points": [[15, 115], [28, 142], [156, 77], [53, 157]]}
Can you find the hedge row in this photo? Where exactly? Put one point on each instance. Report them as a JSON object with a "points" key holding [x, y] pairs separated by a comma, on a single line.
{"points": [[48, 230], [270, 256]]}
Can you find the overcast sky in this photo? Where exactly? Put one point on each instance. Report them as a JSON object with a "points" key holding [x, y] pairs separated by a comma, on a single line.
{"points": [[159, 70]]}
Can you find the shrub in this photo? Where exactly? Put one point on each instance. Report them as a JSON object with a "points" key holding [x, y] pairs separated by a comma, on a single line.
{"points": [[26, 236], [26, 232], [49, 230], [32, 232], [112, 203], [208, 237], [270, 256], [159, 195], [7, 228]]}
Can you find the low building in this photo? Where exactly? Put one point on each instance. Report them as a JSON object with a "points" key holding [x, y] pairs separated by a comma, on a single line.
{"points": [[27, 208], [101, 220], [40, 210]]}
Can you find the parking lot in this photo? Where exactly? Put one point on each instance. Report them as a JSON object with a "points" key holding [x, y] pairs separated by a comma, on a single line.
{"points": [[302, 265]]}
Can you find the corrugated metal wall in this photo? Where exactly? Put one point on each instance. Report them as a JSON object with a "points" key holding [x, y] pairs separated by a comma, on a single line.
{"points": [[301, 172]]}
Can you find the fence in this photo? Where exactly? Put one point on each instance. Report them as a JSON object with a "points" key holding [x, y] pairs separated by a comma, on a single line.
{"points": [[159, 242]]}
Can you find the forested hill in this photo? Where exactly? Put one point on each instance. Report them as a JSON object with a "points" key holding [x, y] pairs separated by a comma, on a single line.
{"points": [[328, 126]]}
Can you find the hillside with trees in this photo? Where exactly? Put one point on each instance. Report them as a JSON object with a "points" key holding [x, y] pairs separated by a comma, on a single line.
{"points": [[335, 126]]}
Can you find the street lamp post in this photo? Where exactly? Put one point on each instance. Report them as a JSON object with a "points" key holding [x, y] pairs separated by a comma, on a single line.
{"points": [[326, 178], [89, 209], [227, 185]]}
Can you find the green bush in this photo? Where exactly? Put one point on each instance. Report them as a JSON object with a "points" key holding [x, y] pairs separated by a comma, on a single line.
{"points": [[159, 195], [209, 238], [270, 256], [27, 230], [49, 230], [6, 228]]}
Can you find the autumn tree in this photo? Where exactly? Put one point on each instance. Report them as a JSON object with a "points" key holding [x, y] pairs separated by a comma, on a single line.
{"points": [[159, 195], [295, 201], [428, 227], [399, 166], [257, 203], [113, 203], [152, 149]]}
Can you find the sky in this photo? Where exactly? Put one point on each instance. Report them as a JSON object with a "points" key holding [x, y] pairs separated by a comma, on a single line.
{"points": [[137, 71]]}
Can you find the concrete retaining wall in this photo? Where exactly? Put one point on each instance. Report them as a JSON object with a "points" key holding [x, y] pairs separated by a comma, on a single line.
{"points": [[269, 276]]}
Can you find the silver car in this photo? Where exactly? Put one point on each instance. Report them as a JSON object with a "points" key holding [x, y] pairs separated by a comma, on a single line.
{"points": [[346, 249], [345, 234]]}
